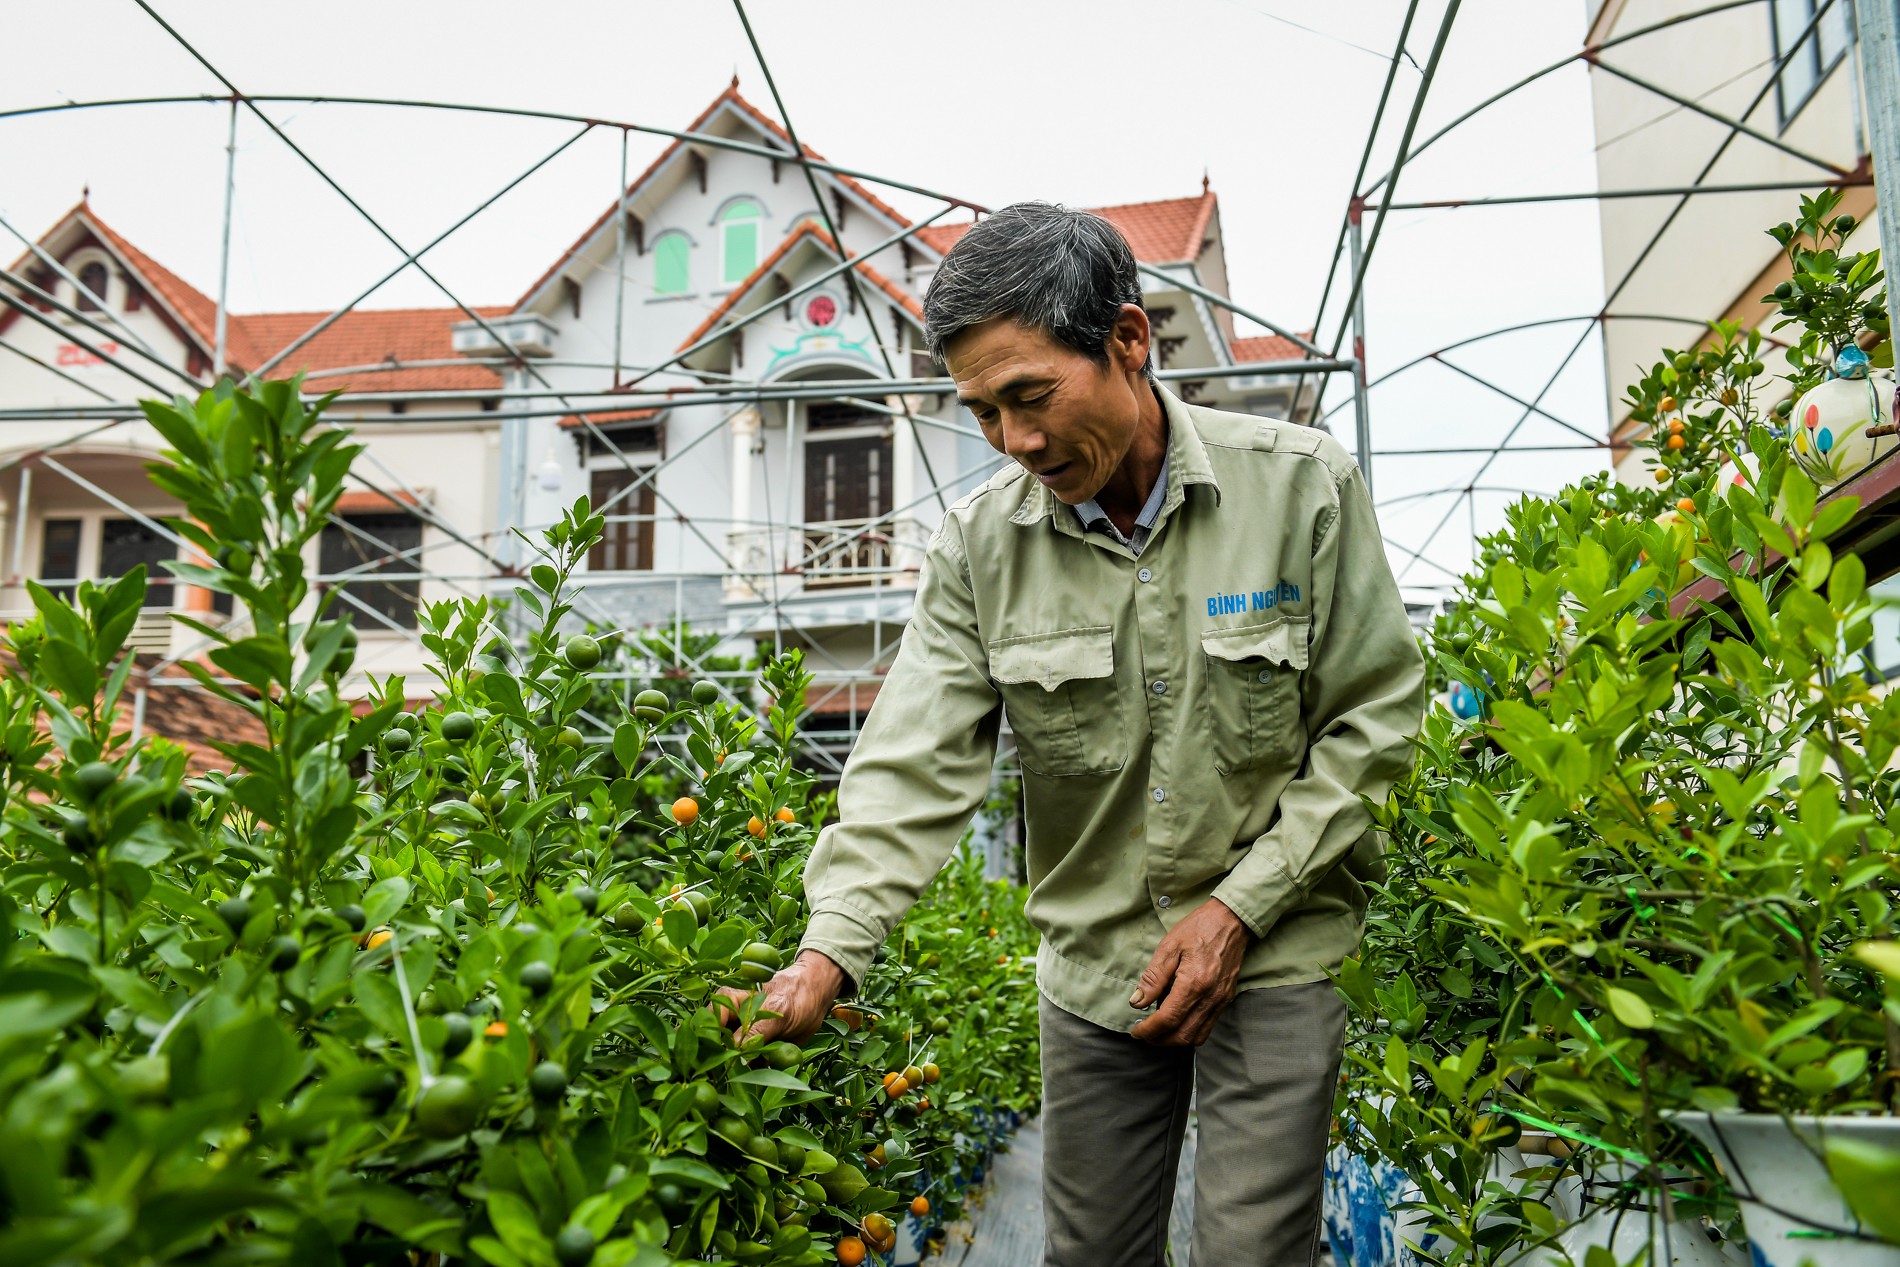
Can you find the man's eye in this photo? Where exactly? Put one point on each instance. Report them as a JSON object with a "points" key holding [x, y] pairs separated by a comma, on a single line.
{"points": [[1036, 402]]}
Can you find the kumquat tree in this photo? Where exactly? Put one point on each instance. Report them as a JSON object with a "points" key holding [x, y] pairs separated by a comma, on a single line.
{"points": [[428, 984], [1631, 991]]}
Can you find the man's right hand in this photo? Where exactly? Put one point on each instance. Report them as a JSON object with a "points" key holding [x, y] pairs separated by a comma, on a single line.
{"points": [[801, 995]]}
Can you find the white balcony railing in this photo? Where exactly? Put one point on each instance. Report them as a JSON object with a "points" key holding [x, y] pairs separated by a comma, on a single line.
{"points": [[839, 554]]}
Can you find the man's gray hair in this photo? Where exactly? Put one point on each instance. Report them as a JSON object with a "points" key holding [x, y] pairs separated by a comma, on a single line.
{"points": [[1065, 273]]}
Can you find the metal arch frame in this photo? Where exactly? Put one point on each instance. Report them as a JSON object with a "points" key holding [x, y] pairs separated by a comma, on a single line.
{"points": [[736, 391], [1736, 126]]}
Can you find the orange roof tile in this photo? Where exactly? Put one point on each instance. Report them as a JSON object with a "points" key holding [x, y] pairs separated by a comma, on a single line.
{"points": [[731, 94], [197, 309], [1269, 347], [617, 415], [366, 337], [1166, 232], [367, 501]]}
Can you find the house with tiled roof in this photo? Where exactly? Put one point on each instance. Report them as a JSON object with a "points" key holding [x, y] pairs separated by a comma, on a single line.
{"points": [[800, 517], [99, 321]]}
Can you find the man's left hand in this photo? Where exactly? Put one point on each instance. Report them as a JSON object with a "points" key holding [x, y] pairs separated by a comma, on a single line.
{"points": [[1192, 975]]}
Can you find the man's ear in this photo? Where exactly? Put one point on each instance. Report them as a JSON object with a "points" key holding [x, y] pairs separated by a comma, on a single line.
{"points": [[1128, 342]]}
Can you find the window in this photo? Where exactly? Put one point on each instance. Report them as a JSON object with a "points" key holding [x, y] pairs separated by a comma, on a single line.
{"points": [[669, 264], [847, 478], [126, 543], [627, 541], [92, 280], [59, 554], [739, 238], [1818, 54], [847, 482], [363, 539]]}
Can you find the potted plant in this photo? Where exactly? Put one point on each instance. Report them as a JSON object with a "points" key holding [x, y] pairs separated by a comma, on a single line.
{"points": [[1667, 832]]}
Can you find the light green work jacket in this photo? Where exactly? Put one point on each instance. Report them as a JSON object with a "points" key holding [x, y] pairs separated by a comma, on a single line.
{"points": [[1198, 722]]}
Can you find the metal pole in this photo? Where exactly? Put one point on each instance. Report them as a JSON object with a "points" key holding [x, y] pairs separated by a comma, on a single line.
{"points": [[620, 254], [1398, 164], [1600, 195], [224, 247], [19, 522], [1877, 24], [1361, 408]]}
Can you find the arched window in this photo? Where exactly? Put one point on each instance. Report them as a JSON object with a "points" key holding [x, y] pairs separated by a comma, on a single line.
{"points": [[739, 239], [92, 279], [669, 264]]}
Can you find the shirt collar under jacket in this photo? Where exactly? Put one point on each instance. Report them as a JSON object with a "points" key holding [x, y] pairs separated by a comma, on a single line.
{"points": [[1093, 517]]}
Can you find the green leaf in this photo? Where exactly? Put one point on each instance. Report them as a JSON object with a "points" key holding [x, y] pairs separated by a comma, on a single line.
{"points": [[726, 940], [1847, 583], [385, 898], [680, 926], [1869, 1178], [1816, 561], [1835, 515], [629, 740], [379, 999], [1629, 1008], [1398, 1060], [517, 1226], [1798, 493], [493, 1251], [695, 1172], [1883, 957], [771, 1078]]}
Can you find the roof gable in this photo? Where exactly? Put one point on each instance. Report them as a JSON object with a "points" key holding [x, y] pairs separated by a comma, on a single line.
{"points": [[191, 312], [727, 105], [807, 233]]}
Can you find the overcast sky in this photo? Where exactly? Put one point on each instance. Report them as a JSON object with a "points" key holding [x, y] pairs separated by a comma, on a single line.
{"points": [[1082, 101]]}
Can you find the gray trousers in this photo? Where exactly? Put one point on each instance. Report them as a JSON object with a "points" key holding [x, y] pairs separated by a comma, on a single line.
{"points": [[1114, 1109]]}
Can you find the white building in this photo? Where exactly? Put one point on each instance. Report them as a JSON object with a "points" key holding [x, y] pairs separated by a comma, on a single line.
{"points": [[801, 518]]}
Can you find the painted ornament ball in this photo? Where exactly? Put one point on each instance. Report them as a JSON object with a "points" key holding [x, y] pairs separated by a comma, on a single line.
{"points": [[1830, 424]]}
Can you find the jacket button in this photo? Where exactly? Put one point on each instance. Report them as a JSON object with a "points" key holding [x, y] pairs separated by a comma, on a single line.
{"points": [[1144, 576], [1160, 795], [1164, 901], [1160, 687], [1266, 675]]}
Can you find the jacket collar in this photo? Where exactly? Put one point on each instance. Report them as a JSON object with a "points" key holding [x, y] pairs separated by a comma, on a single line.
{"points": [[1187, 464]]}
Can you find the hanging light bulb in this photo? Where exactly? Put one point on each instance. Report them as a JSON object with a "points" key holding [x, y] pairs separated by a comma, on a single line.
{"points": [[549, 474]]}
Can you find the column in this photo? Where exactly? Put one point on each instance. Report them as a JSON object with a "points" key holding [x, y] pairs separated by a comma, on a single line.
{"points": [[749, 539]]}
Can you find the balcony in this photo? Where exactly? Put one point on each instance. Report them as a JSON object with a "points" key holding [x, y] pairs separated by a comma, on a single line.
{"points": [[820, 557]]}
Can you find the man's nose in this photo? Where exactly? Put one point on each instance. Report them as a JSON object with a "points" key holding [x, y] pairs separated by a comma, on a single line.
{"points": [[1022, 442]]}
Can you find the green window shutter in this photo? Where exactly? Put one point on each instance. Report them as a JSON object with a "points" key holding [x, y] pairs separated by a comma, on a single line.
{"points": [[740, 227], [669, 264]]}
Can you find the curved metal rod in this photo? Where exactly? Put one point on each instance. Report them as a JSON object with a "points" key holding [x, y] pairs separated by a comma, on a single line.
{"points": [[1513, 329], [696, 138], [1580, 55]]}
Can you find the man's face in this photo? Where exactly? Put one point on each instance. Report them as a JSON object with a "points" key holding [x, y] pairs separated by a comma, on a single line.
{"points": [[1069, 420]]}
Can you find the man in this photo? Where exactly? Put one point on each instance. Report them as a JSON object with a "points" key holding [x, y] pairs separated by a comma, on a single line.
{"points": [[1188, 619]]}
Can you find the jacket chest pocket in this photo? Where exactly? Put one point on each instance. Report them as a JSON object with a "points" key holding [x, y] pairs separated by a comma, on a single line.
{"points": [[1059, 693], [1253, 691]]}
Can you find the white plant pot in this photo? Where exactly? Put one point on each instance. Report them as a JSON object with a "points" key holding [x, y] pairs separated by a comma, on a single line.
{"points": [[1828, 426], [1793, 1211], [1628, 1233]]}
